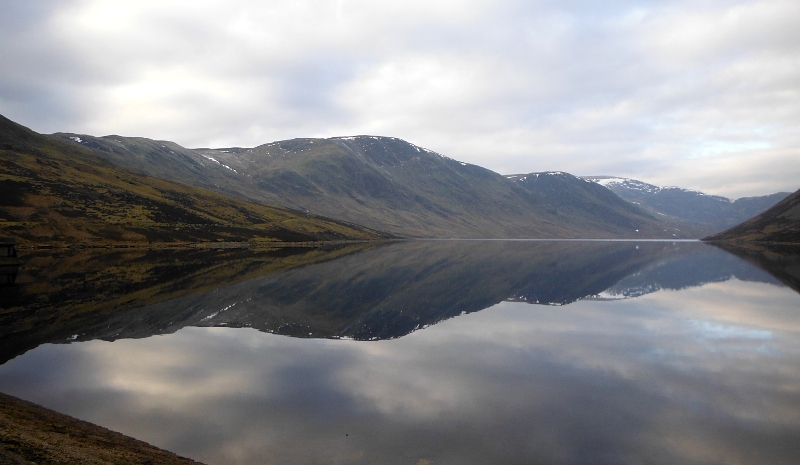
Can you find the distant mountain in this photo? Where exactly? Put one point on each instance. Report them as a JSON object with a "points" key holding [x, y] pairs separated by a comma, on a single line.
{"points": [[780, 224], [570, 196], [716, 213], [62, 194], [383, 183]]}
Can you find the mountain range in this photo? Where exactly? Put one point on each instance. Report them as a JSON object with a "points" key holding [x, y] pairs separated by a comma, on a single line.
{"points": [[72, 188], [713, 213], [392, 185]]}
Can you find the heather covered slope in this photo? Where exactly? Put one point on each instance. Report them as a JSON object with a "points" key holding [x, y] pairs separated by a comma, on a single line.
{"points": [[381, 182], [779, 224], [61, 194]]}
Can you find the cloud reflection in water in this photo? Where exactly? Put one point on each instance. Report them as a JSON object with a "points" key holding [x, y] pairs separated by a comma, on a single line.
{"points": [[702, 375]]}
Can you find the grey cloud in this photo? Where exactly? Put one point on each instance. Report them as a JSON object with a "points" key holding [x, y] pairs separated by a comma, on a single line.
{"points": [[632, 88], [37, 82]]}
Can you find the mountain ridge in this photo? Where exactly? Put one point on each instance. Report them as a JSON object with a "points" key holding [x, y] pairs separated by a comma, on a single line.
{"points": [[384, 183], [59, 193]]}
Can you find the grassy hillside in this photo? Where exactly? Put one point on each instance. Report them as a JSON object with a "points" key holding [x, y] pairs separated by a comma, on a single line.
{"points": [[32, 434], [779, 224], [61, 194], [381, 182]]}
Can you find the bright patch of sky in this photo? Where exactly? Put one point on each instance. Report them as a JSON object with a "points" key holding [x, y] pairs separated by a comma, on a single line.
{"points": [[671, 92], [716, 147]]}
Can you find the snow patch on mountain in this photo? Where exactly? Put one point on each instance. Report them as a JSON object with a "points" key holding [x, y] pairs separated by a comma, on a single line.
{"points": [[636, 185], [378, 138], [627, 183], [219, 163], [696, 192], [524, 177]]}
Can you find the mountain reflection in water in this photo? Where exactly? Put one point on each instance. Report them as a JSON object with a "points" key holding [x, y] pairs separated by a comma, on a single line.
{"points": [[379, 293], [652, 352]]}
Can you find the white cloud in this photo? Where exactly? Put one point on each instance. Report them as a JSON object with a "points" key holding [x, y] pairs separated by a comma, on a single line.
{"points": [[670, 92]]}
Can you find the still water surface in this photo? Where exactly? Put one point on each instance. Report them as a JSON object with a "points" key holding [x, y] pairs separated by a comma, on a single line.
{"points": [[440, 353]]}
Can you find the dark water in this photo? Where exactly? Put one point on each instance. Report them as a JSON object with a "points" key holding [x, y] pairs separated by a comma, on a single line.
{"points": [[420, 352]]}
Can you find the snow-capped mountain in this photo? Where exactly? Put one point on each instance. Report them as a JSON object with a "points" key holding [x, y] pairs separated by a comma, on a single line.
{"points": [[568, 195], [627, 183], [698, 207]]}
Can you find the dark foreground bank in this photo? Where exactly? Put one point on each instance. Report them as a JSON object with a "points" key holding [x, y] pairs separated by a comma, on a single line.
{"points": [[30, 433]]}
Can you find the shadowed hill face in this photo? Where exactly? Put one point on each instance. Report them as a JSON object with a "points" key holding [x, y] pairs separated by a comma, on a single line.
{"points": [[780, 224], [60, 193], [381, 182]]}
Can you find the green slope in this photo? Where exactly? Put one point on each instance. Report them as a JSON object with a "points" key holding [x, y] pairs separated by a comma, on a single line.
{"points": [[779, 224], [60, 193], [381, 182]]}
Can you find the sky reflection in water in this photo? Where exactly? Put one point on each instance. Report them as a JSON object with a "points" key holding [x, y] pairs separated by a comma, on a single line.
{"points": [[707, 374]]}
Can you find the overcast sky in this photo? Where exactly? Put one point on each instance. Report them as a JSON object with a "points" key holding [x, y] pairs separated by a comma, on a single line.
{"points": [[702, 94]]}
